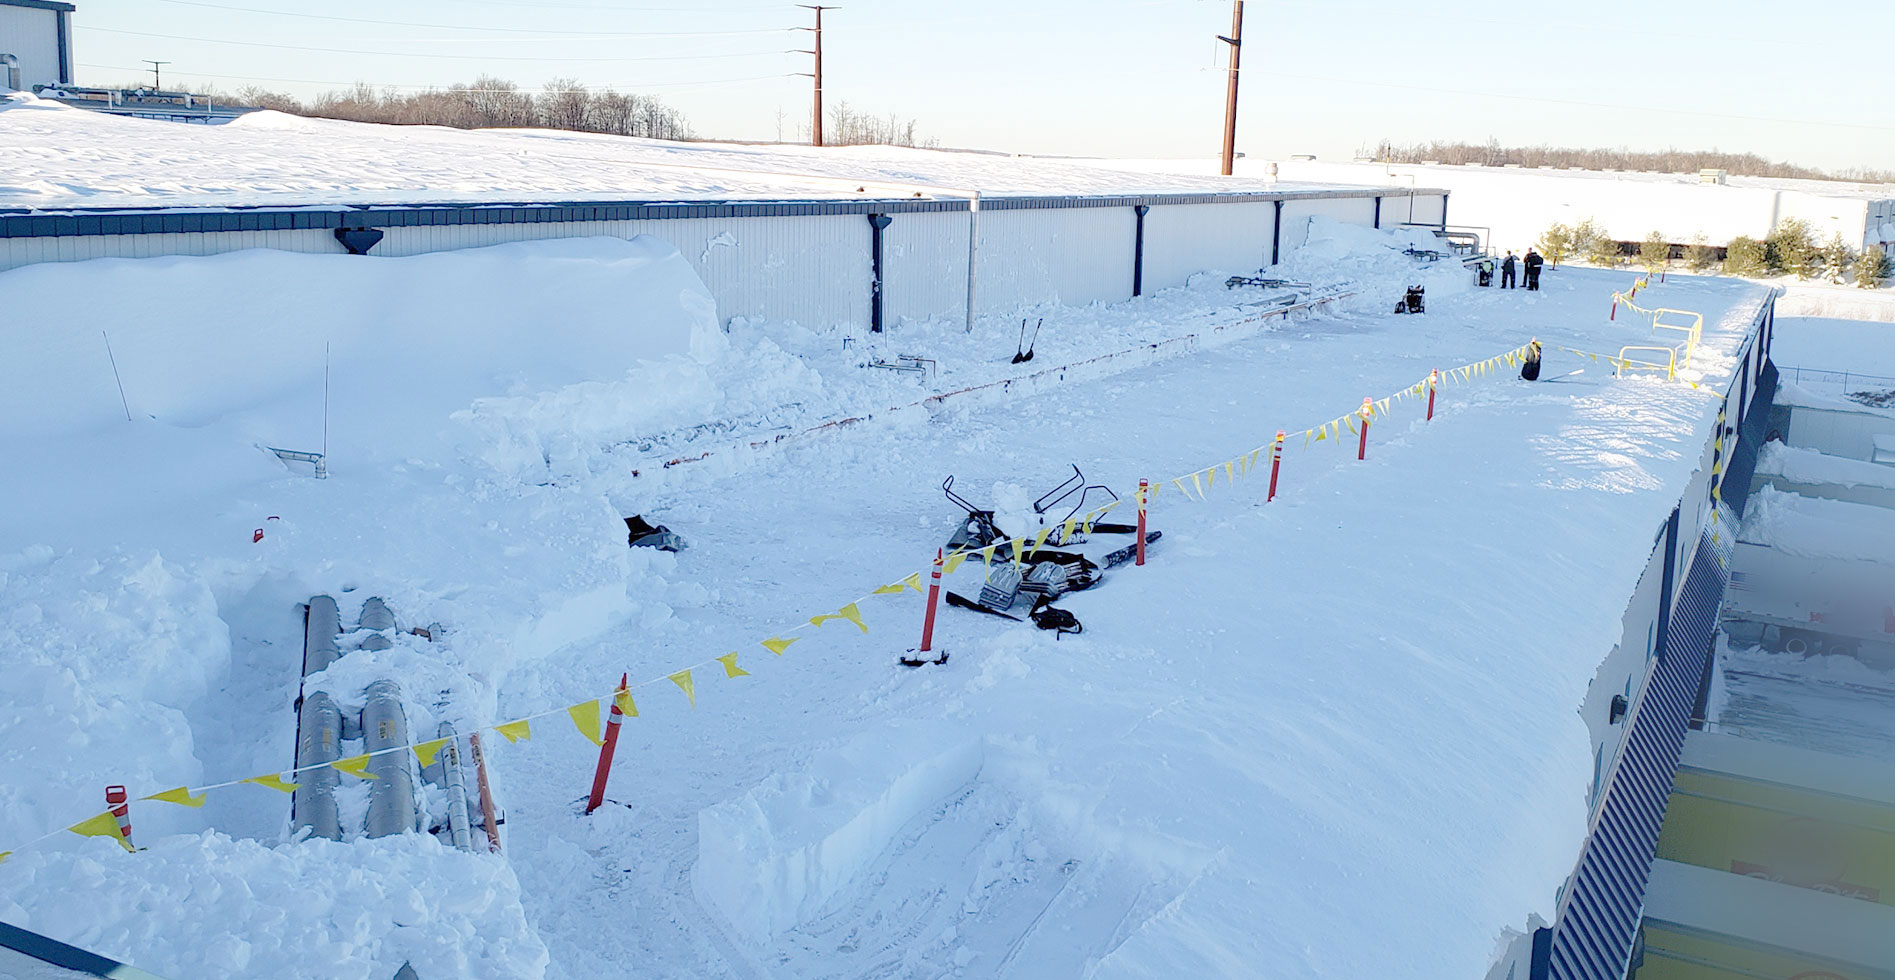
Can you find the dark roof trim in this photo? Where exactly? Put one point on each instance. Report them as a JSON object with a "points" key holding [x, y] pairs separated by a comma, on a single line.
{"points": [[39, 5], [78, 222], [53, 952]]}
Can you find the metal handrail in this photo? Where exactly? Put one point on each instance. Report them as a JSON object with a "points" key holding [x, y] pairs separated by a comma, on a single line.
{"points": [[1670, 367]]}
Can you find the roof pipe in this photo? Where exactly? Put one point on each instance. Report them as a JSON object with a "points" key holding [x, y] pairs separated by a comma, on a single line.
{"points": [[391, 796]]}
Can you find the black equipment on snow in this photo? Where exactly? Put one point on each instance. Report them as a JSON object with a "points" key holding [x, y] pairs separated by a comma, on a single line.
{"points": [[1075, 484], [1413, 301], [642, 534], [1023, 351], [908, 660], [1264, 281], [1530, 369], [978, 531]]}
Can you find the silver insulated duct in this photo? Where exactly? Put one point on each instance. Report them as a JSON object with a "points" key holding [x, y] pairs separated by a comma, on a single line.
{"points": [[391, 795]]}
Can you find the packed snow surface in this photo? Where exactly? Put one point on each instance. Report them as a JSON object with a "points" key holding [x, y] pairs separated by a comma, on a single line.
{"points": [[1334, 735], [271, 158]]}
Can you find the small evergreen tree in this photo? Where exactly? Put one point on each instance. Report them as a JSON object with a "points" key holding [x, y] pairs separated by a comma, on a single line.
{"points": [[1586, 235], [1744, 256], [1604, 251], [1697, 255], [1790, 250], [1837, 257], [1654, 253], [1872, 267], [1556, 243]]}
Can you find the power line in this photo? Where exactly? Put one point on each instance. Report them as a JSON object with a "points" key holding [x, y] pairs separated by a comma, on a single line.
{"points": [[464, 27], [417, 54], [440, 88]]}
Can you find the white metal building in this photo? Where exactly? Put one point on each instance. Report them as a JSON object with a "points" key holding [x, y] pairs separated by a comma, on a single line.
{"points": [[38, 36], [1518, 203]]}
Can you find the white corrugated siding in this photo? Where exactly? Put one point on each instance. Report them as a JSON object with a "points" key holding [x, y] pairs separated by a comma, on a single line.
{"points": [[1296, 215], [31, 35], [1184, 239], [16, 252], [924, 266], [813, 270], [1074, 256]]}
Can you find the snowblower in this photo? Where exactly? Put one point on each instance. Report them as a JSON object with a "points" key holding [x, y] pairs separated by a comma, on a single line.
{"points": [[1413, 301]]}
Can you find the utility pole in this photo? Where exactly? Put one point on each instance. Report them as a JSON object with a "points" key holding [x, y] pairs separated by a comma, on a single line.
{"points": [[1236, 42], [156, 85], [815, 127]]}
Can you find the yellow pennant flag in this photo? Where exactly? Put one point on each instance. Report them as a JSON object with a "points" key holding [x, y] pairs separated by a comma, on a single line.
{"points": [[1154, 492], [777, 644], [101, 825], [355, 765], [1351, 420], [1040, 542], [683, 679], [729, 660], [850, 612], [1066, 529], [1018, 547], [274, 781], [4, 855], [1230, 473], [623, 698], [1179, 483], [987, 554], [1321, 434], [1210, 476], [515, 731], [426, 751], [1384, 406], [1199, 484], [894, 588], [181, 796], [953, 562], [585, 717]]}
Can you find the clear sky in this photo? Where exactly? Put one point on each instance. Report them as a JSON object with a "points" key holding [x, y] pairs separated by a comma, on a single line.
{"points": [[1812, 83]]}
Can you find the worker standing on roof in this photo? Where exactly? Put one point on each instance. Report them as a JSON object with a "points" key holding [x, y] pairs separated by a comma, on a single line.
{"points": [[1506, 271], [1533, 263]]}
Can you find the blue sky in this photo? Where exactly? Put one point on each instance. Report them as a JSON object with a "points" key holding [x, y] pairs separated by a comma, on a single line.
{"points": [[1112, 77]]}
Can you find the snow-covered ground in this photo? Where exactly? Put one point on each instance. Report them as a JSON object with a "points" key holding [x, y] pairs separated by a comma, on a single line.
{"points": [[1334, 735], [54, 156]]}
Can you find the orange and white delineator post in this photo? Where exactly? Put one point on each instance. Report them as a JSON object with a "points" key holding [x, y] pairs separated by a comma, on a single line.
{"points": [[1276, 464], [606, 748], [1144, 497]]}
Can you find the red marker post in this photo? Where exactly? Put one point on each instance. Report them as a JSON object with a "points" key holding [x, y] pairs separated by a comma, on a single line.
{"points": [[118, 803], [1362, 448], [1615, 307], [1434, 379], [610, 745], [1276, 464], [934, 599], [1144, 493]]}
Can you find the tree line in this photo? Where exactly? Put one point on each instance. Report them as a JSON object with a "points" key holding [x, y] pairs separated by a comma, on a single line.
{"points": [[1790, 249], [1492, 154], [489, 102]]}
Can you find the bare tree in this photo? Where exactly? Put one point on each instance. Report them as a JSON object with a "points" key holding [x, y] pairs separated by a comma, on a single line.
{"points": [[1492, 154], [489, 102]]}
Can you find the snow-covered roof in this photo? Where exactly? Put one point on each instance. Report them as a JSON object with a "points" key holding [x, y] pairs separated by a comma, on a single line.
{"points": [[54, 156]]}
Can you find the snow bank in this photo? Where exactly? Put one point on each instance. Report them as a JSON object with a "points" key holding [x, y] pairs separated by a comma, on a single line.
{"points": [[102, 655], [241, 337], [1372, 263], [208, 906], [1809, 527], [770, 858], [1811, 467]]}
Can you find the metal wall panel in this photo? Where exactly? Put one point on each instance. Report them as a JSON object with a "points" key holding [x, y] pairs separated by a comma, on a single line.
{"points": [[32, 35], [1073, 256], [1183, 240], [925, 266], [16, 252], [1296, 215]]}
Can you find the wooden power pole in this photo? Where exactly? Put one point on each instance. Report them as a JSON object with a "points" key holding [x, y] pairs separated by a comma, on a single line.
{"points": [[815, 126], [1236, 42]]}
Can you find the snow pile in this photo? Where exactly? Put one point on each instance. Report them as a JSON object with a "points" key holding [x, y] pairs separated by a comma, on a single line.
{"points": [[103, 657], [1372, 262], [774, 856], [209, 906], [1810, 527], [1807, 466]]}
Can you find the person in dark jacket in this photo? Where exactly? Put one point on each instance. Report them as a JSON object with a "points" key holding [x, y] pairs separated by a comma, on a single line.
{"points": [[1530, 367], [1533, 263], [1506, 271]]}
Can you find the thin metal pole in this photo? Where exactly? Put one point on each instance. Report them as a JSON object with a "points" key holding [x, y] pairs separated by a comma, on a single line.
{"points": [[1236, 42], [973, 253], [325, 401], [115, 377]]}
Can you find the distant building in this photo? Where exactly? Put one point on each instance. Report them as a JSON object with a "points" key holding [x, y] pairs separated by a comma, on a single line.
{"points": [[1519, 203], [35, 40]]}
